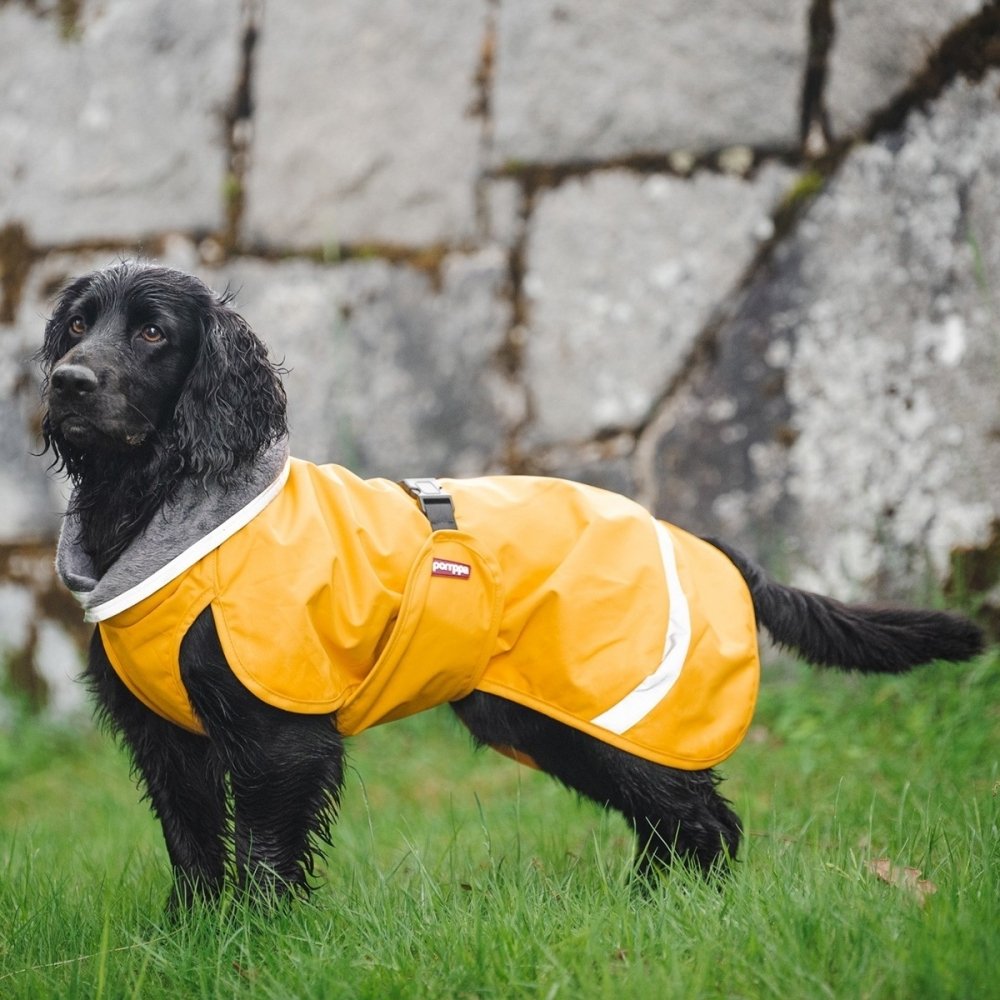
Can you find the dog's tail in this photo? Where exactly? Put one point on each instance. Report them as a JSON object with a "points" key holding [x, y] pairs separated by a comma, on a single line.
{"points": [[827, 633]]}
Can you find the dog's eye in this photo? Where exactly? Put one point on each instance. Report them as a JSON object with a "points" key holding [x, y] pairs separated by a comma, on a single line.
{"points": [[151, 333], [77, 326]]}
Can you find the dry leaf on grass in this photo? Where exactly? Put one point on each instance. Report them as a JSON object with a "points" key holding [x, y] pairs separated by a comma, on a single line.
{"points": [[907, 879]]}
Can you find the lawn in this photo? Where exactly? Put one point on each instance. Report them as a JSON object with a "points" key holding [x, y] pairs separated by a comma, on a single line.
{"points": [[457, 874]]}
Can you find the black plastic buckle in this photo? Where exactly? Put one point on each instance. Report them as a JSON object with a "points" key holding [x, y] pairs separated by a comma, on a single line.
{"points": [[434, 502]]}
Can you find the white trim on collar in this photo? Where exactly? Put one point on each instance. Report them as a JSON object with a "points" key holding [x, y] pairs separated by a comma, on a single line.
{"points": [[201, 548]]}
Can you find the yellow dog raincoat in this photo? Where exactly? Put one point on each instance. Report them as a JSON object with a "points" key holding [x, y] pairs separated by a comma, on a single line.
{"points": [[332, 594]]}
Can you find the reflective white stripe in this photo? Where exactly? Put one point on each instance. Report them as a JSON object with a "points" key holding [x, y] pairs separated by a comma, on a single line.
{"points": [[200, 549], [640, 701]]}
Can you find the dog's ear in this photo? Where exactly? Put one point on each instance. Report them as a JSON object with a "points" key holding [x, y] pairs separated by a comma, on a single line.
{"points": [[232, 405]]}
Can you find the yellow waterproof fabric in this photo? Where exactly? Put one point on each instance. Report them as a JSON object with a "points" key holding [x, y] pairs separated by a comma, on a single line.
{"points": [[338, 598]]}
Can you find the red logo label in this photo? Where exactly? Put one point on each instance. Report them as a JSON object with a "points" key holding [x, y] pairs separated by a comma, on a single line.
{"points": [[456, 570]]}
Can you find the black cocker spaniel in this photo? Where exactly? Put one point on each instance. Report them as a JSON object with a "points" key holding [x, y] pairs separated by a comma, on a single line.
{"points": [[158, 394]]}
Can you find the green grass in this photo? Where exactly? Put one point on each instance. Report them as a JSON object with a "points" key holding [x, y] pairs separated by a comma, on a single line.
{"points": [[462, 875]]}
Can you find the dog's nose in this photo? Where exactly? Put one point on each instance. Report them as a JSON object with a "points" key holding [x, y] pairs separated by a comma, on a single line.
{"points": [[78, 379]]}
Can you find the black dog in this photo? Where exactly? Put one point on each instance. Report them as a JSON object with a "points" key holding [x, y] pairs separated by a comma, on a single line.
{"points": [[153, 381]]}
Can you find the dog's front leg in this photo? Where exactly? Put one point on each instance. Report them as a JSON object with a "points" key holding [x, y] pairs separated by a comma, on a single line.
{"points": [[285, 769], [286, 789], [181, 778]]}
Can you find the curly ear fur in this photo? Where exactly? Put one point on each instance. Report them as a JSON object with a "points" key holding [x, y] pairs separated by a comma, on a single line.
{"points": [[232, 405]]}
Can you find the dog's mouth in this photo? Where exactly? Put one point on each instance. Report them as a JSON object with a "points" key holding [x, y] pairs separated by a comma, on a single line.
{"points": [[82, 432], [77, 430]]}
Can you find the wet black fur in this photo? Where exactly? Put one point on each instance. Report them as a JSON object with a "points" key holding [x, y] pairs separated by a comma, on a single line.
{"points": [[206, 402], [255, 797]]}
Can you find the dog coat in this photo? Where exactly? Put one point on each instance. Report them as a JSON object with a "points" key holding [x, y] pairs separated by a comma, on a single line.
{"points": [[332, 594]]}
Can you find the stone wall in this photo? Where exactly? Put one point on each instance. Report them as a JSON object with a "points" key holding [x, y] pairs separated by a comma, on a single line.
{"points": [[736, 259]]}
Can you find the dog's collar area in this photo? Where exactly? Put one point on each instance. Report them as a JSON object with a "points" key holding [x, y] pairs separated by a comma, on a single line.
{"points": [[194, 523], [436, 505]]}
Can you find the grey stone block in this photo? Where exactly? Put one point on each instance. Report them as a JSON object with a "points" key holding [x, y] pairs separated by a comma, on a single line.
{"points": [[363, 129], [42, 634], [878, 46], [895, 371], [715, 457], [31, 499], [591, 80], [117, 131], [389, 375], [881, 454], [59, 661], [392, 370], [607, 467], [623, 272], [17, 606]]}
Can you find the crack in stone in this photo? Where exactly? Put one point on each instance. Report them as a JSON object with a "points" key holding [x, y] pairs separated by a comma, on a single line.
{"points": [[239, 129], [815, 123], [969, 50]]}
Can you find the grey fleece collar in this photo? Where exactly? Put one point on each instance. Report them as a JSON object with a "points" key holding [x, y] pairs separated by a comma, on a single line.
{"points": [[198, 519]]}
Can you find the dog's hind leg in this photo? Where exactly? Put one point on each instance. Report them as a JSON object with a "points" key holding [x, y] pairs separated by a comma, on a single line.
{"points": [[181, 777], [680, 816], [677, 815], [285, 769]]}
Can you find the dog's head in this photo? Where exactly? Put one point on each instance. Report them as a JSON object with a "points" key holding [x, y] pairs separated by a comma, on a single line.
{"points": [[141, 359]]}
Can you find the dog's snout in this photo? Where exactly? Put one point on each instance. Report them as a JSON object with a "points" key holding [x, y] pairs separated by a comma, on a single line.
{"points": [[74, 379]]}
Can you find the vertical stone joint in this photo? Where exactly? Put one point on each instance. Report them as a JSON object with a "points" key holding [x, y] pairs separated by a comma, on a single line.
{"points": [[815, 124], [239, 123]]}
